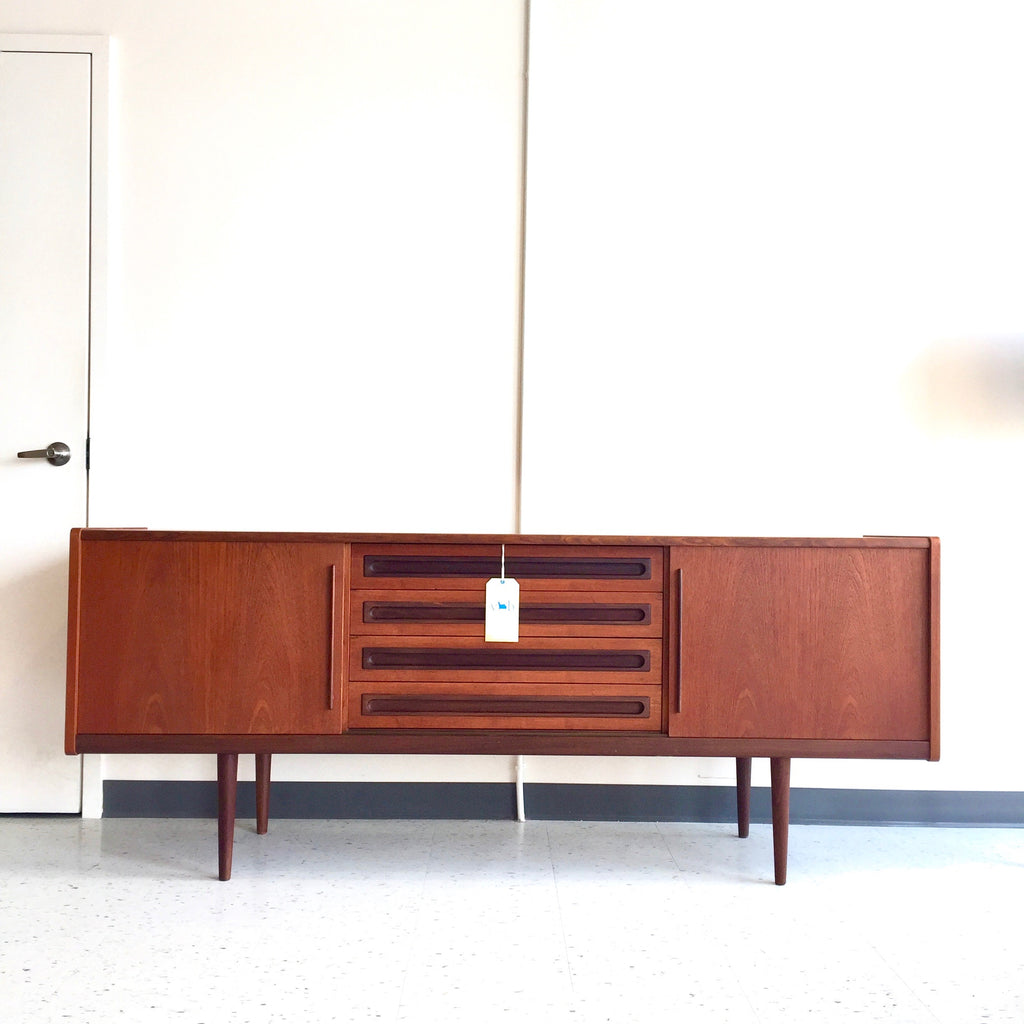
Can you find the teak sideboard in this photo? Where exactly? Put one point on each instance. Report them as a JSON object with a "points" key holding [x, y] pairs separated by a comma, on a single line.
{"points": [[233, 643]]}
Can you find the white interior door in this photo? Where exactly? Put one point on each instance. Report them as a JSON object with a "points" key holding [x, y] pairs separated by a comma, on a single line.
{"points": [[45, 107]]}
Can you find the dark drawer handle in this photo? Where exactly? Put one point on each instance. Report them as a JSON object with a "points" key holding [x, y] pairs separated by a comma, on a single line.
{"points": [[561, 613], [522, 567], [562, 707], [515, 660]]}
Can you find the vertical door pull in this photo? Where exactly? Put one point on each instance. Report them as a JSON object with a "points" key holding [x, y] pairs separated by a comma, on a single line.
{"points": [[330, 655], [679, 643]]}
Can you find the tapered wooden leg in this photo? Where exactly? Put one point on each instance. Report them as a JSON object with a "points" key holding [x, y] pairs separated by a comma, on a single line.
{"points": [[262, 793], [227, 796], [780, 816], [743, 796]]}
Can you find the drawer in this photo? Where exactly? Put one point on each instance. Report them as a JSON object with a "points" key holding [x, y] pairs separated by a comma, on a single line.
{"points": [[389, 704], [541, 613], [541, 567], [538, 659]]}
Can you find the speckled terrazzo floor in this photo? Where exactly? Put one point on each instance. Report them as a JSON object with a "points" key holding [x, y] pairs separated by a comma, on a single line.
{"points": [[398, 921]]}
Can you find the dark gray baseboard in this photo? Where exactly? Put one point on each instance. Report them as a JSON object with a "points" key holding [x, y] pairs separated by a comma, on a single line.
{"points": [[451, 800], [564, 802]]}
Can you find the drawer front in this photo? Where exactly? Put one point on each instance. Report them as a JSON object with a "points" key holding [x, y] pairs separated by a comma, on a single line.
{"points": [[540, 659], [549, 567], [541, 613], [389, 704], [589, 655]]}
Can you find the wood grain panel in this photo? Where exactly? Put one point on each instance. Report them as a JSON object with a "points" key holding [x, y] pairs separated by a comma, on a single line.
{"points": [[185, 637], [934, 667], [71, 696], [487, 541], [803, 643], [500, 740], [788, 647]]}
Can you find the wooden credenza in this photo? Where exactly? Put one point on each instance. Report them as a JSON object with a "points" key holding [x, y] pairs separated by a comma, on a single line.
{"points": [[235, 643]]}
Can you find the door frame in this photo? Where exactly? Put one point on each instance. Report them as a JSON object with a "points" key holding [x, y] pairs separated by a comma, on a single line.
{"points": [[97, 48]]}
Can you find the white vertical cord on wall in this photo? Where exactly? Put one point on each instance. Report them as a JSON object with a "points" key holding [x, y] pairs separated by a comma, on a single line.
{"points": [[520, 336], [521, 306], [520, 796]]}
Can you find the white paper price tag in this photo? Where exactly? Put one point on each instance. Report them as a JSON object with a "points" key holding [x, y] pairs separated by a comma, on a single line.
{"points": [[501, 620]]}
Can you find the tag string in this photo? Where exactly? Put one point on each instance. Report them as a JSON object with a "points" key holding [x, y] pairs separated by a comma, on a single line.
{"points": [[502, 561]]}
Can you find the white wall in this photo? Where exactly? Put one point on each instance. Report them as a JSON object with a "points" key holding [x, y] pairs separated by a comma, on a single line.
{"points": [[317, 209], [315, 215], [773, 271]]}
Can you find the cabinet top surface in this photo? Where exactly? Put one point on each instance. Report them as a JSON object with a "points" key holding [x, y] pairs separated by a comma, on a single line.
{"points": [[108, 534]]}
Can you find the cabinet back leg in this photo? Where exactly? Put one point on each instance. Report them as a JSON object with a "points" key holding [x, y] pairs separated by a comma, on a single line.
{"points": [[743, 796], [262, 793], [227, 798]]}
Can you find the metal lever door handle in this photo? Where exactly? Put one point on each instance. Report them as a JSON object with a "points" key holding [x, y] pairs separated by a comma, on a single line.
{"points": [[57, 454]]}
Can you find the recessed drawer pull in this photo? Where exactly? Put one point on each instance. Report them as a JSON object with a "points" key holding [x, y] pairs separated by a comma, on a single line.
{"points": [[522, 567], [423, 611], [563, 707], [494, 660]]}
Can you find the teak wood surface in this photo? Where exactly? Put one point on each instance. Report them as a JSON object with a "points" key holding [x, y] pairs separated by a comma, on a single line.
{"points": [[808, 643], [742, 647]]}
